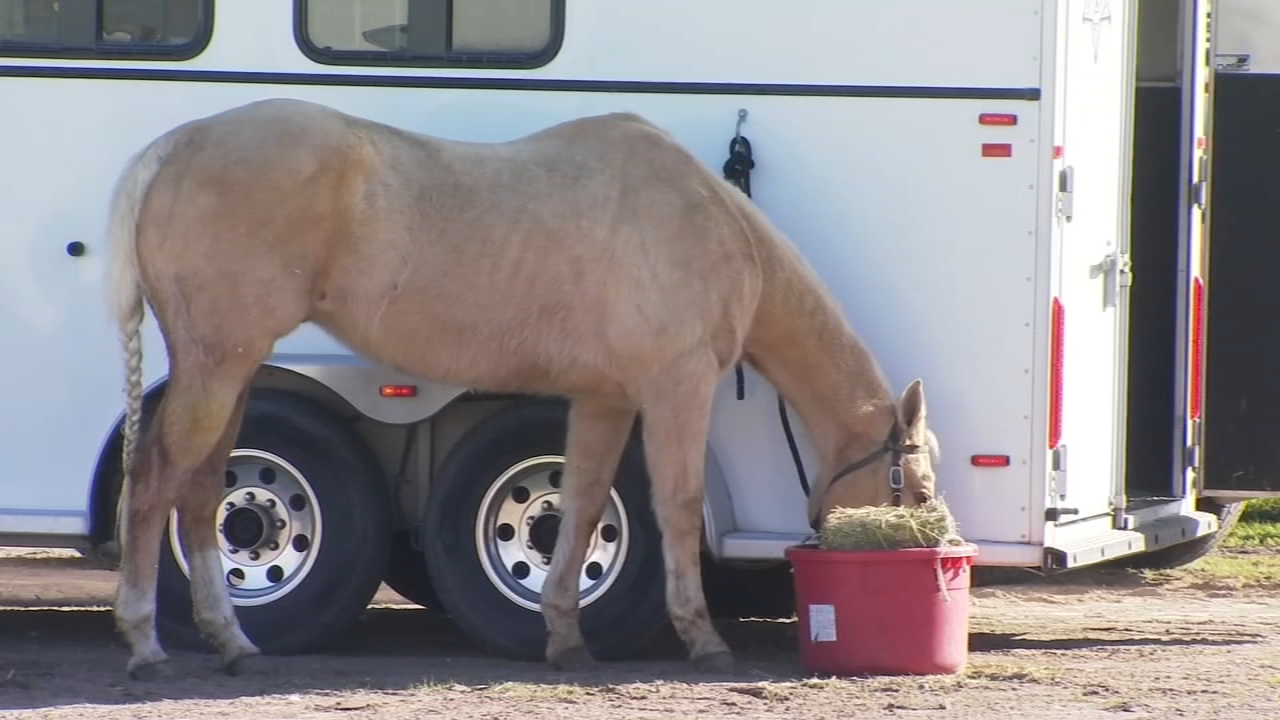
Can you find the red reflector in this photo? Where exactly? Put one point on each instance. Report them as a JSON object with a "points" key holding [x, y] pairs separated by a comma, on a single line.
{"points": [[990, 460], [398, 390], [1056, 326], [1201, 143], [1058, 151], [997, 119], [1197, 346], [997, 150]]}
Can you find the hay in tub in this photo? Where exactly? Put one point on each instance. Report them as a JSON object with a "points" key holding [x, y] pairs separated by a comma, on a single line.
{"points": [[889, 528]]}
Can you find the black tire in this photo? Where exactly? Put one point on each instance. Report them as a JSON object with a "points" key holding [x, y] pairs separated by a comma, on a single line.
{"points": [[618, 623], [355, 506], [1185, 553], [407, 572]]}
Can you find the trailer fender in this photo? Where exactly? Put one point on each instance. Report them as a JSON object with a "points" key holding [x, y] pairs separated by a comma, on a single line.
{"points": [[342, 383], [717, 505], [379, 393]]}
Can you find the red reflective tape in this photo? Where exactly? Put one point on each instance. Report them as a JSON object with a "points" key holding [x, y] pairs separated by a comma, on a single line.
{"points": [[990, 460], [997, 119], [997, 150]]}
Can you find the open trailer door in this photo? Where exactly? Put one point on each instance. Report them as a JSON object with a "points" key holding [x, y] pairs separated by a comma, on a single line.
{"points": [[1092, 264], [1197, 79], [1239, 448]]}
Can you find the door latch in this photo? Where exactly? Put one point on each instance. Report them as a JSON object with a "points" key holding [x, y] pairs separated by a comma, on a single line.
{"points": [[1117, 272]]}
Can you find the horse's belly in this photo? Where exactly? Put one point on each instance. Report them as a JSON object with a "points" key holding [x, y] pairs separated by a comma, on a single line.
{"points": [[496, 357]]}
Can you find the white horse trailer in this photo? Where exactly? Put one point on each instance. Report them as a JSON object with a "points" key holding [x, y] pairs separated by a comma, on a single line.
{"points": [[1005, 195]]}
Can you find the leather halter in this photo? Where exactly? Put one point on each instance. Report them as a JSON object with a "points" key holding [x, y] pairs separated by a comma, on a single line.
{"points": [[891, 445]]}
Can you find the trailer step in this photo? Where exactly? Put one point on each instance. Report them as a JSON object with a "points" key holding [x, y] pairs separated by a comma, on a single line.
{"points": [[1158, 533]]}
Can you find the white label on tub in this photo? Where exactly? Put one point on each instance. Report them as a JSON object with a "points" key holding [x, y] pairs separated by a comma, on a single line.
{"points": [[822, 623]]}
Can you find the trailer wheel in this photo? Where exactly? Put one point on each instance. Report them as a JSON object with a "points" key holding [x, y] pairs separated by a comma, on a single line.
{"points": [[1185, 553], [303, 530], [489, 531]]}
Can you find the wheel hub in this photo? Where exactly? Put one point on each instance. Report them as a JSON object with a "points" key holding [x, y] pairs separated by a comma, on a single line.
{"points": [[543, 531], [516, 531], [268, 528], [248, 527]]}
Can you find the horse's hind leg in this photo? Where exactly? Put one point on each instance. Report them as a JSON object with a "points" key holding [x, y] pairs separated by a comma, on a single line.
{"points": [[192, 419], [677, 415], [197, 511], [597, 433]]}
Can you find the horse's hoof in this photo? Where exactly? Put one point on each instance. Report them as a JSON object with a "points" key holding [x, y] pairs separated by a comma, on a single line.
{"points": [[574, 659], [250, 664], [151, 671], [716, 662]]}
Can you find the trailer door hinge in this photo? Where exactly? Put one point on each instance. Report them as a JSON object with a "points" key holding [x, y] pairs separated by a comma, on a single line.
{"points": [[1058, 466], [1191, 456], [1200, 189], [1066, 193]]}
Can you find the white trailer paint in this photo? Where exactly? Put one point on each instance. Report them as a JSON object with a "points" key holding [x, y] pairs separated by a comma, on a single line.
{"points": [[946, 240]]}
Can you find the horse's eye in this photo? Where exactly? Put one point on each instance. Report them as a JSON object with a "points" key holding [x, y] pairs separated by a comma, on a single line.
{"points": [[923, 497]]}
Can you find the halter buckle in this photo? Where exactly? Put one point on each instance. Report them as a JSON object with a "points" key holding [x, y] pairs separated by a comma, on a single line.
{"points": [[897, 480]]}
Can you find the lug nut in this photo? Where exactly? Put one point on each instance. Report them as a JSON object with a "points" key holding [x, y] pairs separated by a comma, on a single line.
{"points": [[230, 506], [529, 545], [546, 505], [233, 550], [546, 559], [250, 497], [280, 524], [528, 521], [274, 546], [271, 503], [253, 555]]}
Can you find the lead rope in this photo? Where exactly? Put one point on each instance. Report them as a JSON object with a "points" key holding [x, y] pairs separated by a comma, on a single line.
{"points": [[737, 170], [942, 581]]}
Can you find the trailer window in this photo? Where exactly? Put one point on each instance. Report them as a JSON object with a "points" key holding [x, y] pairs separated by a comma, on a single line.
{"points": [[159, 29], [475, 33]]}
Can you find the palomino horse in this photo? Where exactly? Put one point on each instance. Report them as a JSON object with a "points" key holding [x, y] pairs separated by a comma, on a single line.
{"points": [[596, 259]]}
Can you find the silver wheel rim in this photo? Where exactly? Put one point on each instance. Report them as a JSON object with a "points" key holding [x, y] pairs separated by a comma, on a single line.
{"points": [[518, 513], [269, 528]]}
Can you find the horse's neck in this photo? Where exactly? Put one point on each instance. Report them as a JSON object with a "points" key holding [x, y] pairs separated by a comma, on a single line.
{"points": [[802, 344]]}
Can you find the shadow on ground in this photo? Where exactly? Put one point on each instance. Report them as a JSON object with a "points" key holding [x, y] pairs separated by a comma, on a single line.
{"points": [[51, 657], [990, 642]]}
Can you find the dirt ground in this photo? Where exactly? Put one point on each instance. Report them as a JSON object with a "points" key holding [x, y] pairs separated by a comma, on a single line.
{"points": [[1102, 647]]}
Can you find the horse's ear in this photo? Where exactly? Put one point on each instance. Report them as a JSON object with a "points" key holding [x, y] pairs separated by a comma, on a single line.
{"points": [[911, 407]]}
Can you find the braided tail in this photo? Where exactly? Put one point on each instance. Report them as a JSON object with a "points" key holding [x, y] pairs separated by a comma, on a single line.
{"points": [[125, 283]]}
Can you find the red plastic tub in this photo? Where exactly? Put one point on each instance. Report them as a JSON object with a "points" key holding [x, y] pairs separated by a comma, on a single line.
{"points": [[883, 612]]}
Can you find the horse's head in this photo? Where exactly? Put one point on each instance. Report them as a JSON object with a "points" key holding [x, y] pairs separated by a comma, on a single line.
{"points": [[898, 471]]}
